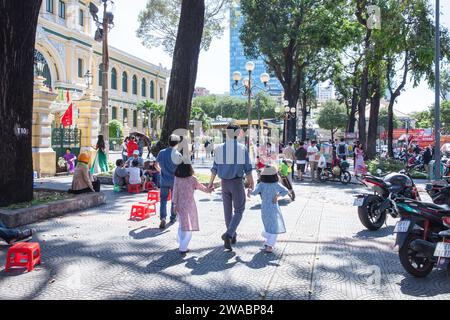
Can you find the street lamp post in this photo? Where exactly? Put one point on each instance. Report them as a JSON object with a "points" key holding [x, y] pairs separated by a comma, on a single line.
{"points": [[101, 35], [437, 107], [248, 87]]}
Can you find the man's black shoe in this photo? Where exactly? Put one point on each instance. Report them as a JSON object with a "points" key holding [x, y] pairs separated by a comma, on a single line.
{"points": [[227, 241], [162, 225], [234, 239]]}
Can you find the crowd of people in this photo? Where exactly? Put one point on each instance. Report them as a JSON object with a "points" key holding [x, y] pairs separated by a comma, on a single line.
{"points": [[312, 156]]}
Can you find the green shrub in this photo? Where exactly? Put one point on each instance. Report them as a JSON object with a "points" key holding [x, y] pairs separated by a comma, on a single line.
{"points": [[115, 129], [391, 165]]}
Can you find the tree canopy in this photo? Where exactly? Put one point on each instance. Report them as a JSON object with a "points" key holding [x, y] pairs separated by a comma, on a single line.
{"points": [[332, 117], [158, 23], [235, 107]]}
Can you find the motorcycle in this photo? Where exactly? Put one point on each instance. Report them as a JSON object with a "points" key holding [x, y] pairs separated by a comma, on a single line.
{"points": [[373, 208], [420, 230], [439, 192], [339, 171]]}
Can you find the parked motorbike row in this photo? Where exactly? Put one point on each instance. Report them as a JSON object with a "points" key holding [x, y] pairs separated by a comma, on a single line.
{"points": [[423, 231], [415, 162]]}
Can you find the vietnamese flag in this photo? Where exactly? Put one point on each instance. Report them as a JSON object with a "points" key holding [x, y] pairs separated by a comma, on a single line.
{"points": [[66, 119]]}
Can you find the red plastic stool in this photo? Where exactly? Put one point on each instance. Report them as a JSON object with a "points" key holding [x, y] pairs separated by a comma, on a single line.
{"points": [[149, 186], [139, 211], [134, 188], [153, 195], [169, 196], [23, 254], [151, 208]]}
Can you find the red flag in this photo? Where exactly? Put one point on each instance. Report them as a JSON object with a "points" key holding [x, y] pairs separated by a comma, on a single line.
{"points": [[66, 119]]}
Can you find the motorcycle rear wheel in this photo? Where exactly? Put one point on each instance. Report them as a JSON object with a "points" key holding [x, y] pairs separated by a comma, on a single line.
{"points": [[419, 267], [371, 220], [346, 177]]}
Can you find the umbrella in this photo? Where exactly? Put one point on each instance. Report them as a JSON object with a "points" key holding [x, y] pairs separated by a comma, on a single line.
{"points": [[147, 141]]}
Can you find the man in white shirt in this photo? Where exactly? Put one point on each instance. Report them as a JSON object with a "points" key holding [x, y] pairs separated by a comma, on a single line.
{"points": [[313, 159]]}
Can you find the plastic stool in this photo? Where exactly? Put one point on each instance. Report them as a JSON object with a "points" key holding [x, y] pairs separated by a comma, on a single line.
{"points": [[139, 212], [134, 188], [23, 254], [149, 186], [150, 208], [153, 195]]}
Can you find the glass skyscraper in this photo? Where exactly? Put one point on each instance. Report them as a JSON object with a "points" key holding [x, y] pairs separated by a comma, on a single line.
{"points": [[238, 58]]}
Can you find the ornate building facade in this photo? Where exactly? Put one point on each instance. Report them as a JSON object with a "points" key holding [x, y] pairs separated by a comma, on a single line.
{"points": [[64, 40]]}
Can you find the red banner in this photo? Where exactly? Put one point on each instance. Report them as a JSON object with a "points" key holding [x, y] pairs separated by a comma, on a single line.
{"points": [[66, 119]]}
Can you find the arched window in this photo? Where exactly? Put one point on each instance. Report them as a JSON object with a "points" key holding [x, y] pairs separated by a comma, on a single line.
{"points": [[152, 90], [46, 71], [125, 115], [134, 85], [124, 82], [114, 79], [144, 88], [134, 118], [81, 18], [100, 74]]}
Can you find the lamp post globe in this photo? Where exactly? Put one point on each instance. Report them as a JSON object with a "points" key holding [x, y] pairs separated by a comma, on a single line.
{"points": [[265, 78], [250, 66], [237, 76]]}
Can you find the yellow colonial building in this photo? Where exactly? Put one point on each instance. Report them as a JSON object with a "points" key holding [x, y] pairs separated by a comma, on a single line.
{"points": [[65, 42]]}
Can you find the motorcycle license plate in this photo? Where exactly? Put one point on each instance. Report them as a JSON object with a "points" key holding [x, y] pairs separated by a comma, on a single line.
{"points": [[358, 202], [402, 226], [442, 250]]}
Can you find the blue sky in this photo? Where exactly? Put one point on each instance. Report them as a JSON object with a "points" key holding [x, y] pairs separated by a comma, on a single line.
{"points": [[213, 71]]}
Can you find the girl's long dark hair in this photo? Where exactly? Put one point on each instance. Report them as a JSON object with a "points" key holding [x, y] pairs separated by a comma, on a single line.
{"points": [[184, 170], [101, 142]]}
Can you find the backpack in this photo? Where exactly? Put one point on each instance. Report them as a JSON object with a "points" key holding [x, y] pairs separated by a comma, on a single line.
{"points": [[341, 148]]}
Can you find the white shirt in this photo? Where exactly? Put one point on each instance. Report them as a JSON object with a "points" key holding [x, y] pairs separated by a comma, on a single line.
{"points": [[313, 151], [135, 175]]}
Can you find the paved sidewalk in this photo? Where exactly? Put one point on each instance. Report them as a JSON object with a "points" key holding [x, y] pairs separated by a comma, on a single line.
{"points": [[326, 254]]}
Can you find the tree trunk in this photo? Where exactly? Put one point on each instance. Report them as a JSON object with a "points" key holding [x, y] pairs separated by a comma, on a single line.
{"points": [[362, 106], [18, 21], [352, 116], [304, 116], [373, 120], [184, 69], [391, 127]]}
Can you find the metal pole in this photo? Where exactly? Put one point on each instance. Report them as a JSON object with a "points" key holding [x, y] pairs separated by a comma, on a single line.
{"points": [[105, 62], [249, 108], [259, 119], [437, 107]]}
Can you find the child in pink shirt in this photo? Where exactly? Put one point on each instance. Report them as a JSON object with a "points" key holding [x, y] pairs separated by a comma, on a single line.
{"points": [[184, 203]]}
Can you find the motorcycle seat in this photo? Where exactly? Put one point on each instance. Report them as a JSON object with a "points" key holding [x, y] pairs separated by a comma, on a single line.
{"points": [[445, 233]]}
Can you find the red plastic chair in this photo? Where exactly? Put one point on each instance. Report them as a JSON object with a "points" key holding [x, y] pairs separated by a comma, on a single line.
{"points": [[139, 212], [24, 254], [153, 195], [149, 186], [134, 188], [150, 207]]}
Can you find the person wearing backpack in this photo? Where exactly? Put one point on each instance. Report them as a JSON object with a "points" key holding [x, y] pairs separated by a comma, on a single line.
{"points": [[342, 150]]}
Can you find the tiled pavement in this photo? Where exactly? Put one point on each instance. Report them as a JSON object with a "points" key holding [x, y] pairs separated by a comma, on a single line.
{"points": [[326, 254]]}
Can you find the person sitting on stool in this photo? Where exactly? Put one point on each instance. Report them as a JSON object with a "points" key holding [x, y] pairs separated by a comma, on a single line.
{"points": [[83, 181]]}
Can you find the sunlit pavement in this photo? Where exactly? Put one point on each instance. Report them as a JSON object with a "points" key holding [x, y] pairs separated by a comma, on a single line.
{"points": [[325, 254]]}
